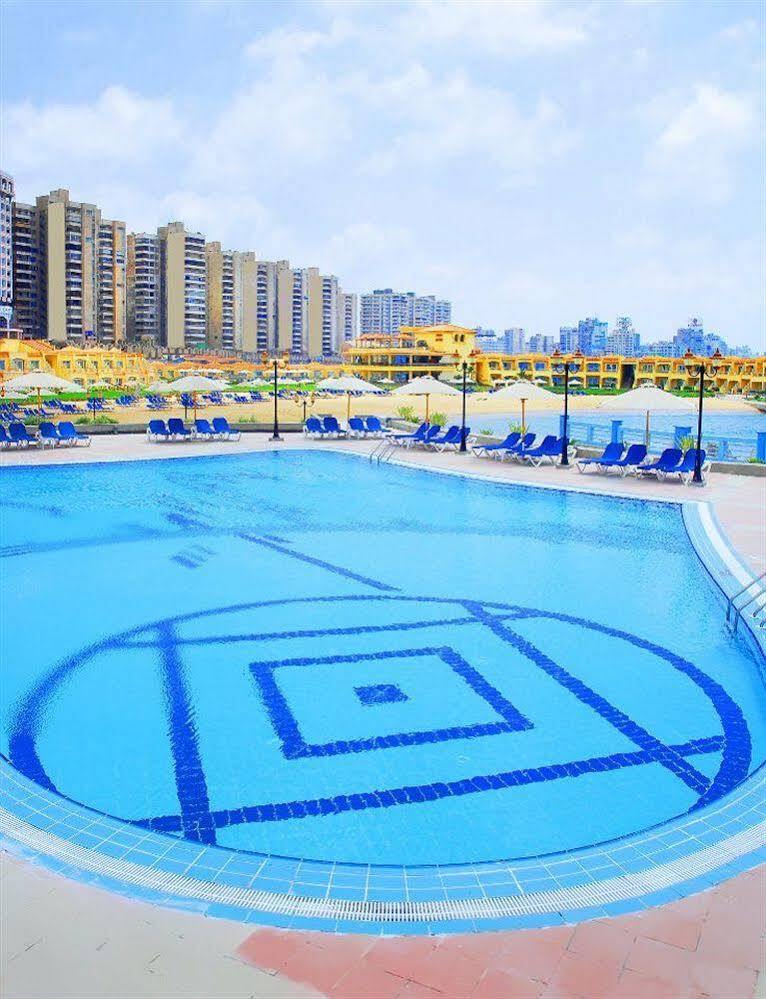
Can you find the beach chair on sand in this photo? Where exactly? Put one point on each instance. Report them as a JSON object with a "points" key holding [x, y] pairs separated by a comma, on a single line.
{"points": [[157, 431], [224, 431], [488, 450], [612, 452]]}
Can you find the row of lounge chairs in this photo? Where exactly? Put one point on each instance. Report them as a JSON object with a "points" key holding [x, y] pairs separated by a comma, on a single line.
{"points": [[176, 430], [433, 437], [516, 447], [48, 435], [673, 462], [328, 426]]}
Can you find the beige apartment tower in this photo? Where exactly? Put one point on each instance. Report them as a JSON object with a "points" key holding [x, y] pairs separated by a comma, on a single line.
{"points": [[74, 271]]}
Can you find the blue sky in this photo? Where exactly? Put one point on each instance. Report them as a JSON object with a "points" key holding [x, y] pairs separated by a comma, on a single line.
{"points": [[535, 162]]}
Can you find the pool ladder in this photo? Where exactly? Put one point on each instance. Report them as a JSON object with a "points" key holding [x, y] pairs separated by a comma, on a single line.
{"points": [[382, 451], [753, 592]]}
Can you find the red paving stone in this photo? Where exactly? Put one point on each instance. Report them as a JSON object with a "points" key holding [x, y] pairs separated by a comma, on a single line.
{"points": [[707, 946]]}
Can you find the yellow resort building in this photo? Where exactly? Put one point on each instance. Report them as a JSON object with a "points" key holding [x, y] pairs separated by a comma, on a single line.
{"points": [[83, 365], [440, 351]]}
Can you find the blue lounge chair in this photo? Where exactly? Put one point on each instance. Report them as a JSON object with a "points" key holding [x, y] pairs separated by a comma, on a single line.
{"points": [[313, 427], [177, 429], [332, 427], [524, 444], [612, 452], [202, 428], [632, 459], [550, 449], [157, 431], [5, 440], [221, 427], [48, 434], [428, 436], [489, 449], [438, 442], [19, 436], [668, 461], [375, 428], [356, 427], [685, 470], [419, 435], [69, 434]]}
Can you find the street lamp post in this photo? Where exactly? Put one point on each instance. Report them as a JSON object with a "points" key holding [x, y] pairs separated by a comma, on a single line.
{"points": [[275, 430], [565, 435], [697, 477], [462, 429]]}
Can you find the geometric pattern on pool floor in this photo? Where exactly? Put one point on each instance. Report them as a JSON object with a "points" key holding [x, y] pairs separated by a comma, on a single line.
{"points": [[197, 821]]}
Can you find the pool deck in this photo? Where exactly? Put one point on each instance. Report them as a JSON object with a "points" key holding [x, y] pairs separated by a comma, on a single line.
{"points": [[60, 937]]}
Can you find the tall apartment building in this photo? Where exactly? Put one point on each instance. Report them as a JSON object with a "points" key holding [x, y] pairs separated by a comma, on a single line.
{"points": [[168, 293], [220, 300], [348, 316], [569, 339], [385, 311], [592, 335], [6, 249], [541, 343], [71, 271], [143, 288]]}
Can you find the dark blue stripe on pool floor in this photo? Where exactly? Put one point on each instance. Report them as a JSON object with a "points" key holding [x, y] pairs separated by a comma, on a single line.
{"points": [[408, 795]]}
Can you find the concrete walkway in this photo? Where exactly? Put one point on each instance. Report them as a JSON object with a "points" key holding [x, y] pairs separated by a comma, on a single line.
{"points": [[61, 938]]}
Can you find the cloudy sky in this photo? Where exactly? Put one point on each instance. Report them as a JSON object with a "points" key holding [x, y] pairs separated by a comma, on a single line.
{"points": [[536, 162]]}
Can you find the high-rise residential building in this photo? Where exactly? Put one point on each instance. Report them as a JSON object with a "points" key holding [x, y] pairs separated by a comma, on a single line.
{"points": [[28, 313], [690, 337], [71, 269], [143, 288], [541, 343], [569, 339], [514, 340], [385, 311], [6, 250], [348, 316], [183, 289], [659, 348], [623, 339], [220, 296], [592, 334], [314, 314], [168, 287]]}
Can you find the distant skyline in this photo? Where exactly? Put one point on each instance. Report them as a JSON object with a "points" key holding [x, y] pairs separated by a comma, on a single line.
{"points": [[533, 162]]}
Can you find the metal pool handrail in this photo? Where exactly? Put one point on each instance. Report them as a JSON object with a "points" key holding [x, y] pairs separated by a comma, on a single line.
{"points": [[732, 604]]}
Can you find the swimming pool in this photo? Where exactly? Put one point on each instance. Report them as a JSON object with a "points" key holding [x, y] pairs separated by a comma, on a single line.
{"points": [[301, 659]]}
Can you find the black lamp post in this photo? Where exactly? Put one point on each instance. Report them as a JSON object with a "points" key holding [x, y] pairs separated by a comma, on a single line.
{"points": [[275, 431], [462, 429], [703, 369], [565, 435]]}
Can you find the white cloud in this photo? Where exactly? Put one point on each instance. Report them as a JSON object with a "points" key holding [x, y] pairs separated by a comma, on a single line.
{"points": [[120, 126], [699, 140], [497, 27]]}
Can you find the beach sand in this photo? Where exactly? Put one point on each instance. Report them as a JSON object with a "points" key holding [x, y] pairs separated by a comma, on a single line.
{"points": [[478, 404]]}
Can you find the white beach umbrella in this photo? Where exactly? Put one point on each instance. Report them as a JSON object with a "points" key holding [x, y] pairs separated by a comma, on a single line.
{"points": [[41, 381], [427, 386], [646, 399], [523, 391], [192, 384], [348, 384]]}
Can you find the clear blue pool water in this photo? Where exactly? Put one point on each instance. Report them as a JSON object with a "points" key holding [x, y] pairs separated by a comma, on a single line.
{"points": [[307, 655]]}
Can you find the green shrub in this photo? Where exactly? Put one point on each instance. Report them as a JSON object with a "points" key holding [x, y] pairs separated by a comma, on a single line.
{"points": [[686, 442], [101, 419], [438, 419], [407, 413]]}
